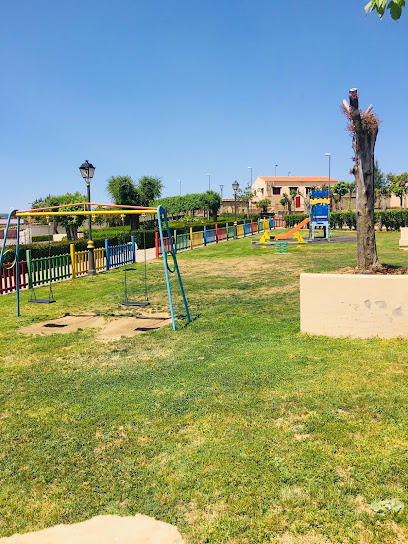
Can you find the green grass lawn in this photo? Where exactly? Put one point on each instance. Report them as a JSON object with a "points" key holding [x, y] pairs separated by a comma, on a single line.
{"points": [[237, 428]]}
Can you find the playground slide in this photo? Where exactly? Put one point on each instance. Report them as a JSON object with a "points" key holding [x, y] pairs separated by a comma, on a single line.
{"points": [[291, 232]]}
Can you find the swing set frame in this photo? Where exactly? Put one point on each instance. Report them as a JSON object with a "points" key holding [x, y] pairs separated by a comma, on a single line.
{"points": [[111, 209]]}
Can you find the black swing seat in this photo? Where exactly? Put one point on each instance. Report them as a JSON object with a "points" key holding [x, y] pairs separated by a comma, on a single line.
{"points": [[130, 303], [42, 301]]}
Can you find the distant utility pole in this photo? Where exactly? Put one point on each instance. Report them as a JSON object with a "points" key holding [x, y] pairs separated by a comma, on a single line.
{"points": [[221, 190]]}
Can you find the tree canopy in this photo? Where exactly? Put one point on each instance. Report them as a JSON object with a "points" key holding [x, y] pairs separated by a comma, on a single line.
{"points": [[263, 204], [70, 222], [178, 205], [395, 7], [124, 191], [399, 185]]}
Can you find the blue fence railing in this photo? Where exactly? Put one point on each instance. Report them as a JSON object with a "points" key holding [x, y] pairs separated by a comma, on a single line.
{"points": [[209, 236], [247, 228], [121, 254]]}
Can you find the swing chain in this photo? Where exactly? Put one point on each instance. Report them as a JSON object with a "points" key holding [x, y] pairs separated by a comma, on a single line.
{"points": [[145, 258], [50, 294], [122, 216]]}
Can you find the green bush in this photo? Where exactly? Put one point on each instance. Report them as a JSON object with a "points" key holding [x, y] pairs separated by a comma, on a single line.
{"points": [[294, 219], [42, 238], [111, 232], [390, 219], [350, 219], [337, 219]]}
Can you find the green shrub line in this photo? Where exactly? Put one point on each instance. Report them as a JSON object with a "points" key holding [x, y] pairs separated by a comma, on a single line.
{"points": [[390, 219], [42, 238]]}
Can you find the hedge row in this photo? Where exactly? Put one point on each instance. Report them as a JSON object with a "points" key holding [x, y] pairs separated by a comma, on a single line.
{"points": [[292, 220], [42, 238], [390, 219]]}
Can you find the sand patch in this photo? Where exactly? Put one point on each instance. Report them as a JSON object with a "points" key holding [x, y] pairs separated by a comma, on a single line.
{"points": [[107, 329], [138, 529]]}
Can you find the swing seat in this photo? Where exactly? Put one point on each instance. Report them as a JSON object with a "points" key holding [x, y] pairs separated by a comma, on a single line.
{"points": [[42, 301], [130, 303]]}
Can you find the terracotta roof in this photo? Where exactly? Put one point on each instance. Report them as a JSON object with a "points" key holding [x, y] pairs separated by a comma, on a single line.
{"points": [[297, 179]]}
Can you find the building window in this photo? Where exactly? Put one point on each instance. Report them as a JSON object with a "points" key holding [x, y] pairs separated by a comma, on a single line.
{"points": [[293, 189], [276, 190]]}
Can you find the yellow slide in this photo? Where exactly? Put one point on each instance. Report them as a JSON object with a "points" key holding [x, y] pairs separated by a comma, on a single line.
{"points": [[293, 231]]}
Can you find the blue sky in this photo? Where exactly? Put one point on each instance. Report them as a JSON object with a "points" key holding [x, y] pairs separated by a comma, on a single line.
{"points": [[185, 88]]}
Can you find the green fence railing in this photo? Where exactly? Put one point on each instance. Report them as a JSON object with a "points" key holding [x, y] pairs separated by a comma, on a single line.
{"points": [[46, 269], [230, 231], [182, 241]]}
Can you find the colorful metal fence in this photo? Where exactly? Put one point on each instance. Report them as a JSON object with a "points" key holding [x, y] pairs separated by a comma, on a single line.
{"points": [[279, 222], [120, 254], [80, 259], [221, 233], [230, 231], [40, 271], [8, 278], [45, 269], [182, 241], [210, 236], [240, 230], [196, 238], [167, 245]]}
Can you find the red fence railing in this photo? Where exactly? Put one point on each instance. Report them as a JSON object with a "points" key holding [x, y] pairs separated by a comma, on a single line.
{"points": [[221, 233], [279, 222], [8, 278], [167, 246]]}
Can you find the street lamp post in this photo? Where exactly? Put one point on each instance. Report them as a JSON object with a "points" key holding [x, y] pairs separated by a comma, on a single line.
{"points": [[235, 187], [276, 166], [250, 167], [209, 182], [87, 171], [180, 185]]}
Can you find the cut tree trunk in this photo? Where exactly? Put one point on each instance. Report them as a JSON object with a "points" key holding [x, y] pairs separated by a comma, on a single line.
{"points": [[365, 129]]}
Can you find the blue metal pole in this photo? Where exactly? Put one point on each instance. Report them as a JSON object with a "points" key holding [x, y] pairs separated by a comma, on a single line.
{"points": [[18, 267], [3, 247], [161, 211], [205, 235], [107, 255], [134, 248]]}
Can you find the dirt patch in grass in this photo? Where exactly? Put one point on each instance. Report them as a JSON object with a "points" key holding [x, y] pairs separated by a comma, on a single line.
{"points": [[236, 267], [308, 538], [108, 330]]}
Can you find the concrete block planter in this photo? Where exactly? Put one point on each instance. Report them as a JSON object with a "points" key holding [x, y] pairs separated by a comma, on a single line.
{"points": [[403, 243], [354, 305]]}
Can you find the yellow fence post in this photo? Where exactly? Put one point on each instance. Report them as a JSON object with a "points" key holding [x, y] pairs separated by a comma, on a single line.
{"points": [[191, 237], [72, 251]]}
